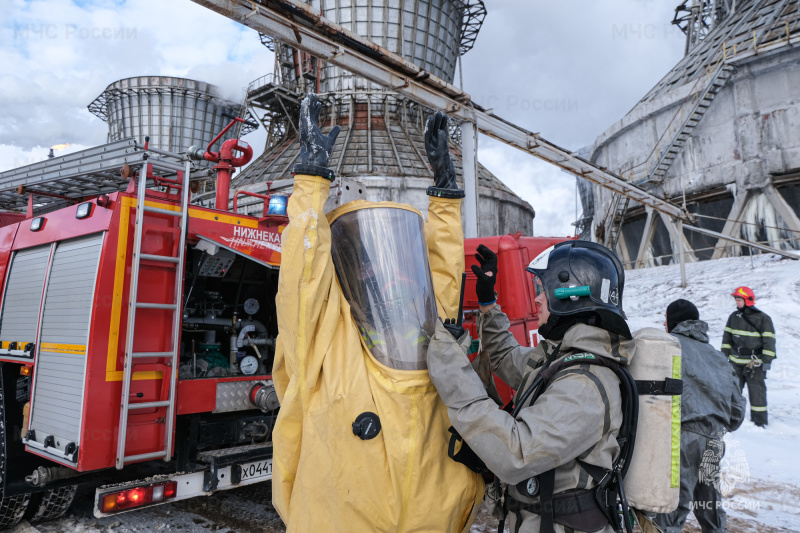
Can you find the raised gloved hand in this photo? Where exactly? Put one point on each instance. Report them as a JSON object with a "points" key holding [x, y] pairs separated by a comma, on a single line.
{"points": [[444, 173], [315, 146], [487, 275]]}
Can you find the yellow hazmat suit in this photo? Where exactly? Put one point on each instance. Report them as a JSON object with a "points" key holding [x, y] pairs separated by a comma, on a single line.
{"points": [[324, 477]]}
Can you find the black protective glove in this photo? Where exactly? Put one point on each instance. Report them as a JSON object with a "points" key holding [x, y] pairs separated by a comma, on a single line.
{"points": [[487, 275], [444, 173], [315, 146]]}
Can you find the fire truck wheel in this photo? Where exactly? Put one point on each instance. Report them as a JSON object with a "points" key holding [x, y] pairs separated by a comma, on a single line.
{"points": [[50, 504], [12, 509]]}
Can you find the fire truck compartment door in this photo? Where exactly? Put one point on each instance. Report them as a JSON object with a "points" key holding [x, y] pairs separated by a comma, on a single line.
{"points": [[22, 299], [59, 376]]}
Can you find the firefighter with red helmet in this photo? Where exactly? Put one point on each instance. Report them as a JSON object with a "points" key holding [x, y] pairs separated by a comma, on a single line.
{"points": [[749, 344]]}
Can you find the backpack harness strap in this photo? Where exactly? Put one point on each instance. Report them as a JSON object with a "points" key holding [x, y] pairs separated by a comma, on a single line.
{"points": [[577, 509], [665, 387], [602, 499]]}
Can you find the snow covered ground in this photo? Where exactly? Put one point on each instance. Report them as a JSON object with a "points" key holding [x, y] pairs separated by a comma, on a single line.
{"points": [[768, 498], [764, 499]]}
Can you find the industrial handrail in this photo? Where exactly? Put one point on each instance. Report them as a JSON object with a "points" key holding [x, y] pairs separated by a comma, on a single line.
{"points": [[266, 79], [265, 197]]}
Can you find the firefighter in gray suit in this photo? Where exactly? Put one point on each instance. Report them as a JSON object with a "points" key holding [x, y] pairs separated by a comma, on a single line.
{"points": [[711, 404], [572, 426]]}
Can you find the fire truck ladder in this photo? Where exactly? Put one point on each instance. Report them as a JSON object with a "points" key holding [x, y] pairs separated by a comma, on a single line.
{"points": [[172, 356]]}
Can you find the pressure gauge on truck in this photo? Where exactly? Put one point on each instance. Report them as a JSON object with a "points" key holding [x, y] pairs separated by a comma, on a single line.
{"points": [[251, 306], [248, 365]]}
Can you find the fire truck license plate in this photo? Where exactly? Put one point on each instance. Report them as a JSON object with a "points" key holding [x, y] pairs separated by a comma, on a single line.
{"points": [[257, 470]]}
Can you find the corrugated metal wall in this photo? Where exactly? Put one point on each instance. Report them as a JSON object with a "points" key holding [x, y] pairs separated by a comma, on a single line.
{"points": [[20, 315], [57, 400], [175, 113]]}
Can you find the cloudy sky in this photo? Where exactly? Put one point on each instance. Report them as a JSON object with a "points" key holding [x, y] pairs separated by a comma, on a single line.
{"points": [[567, 69]]}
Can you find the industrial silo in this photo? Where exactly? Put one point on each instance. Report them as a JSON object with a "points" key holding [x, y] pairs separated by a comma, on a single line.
{"points": [[381, 142], [720, 133], [175, 113]]}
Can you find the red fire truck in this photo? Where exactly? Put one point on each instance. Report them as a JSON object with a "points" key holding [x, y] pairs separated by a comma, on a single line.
{"points": [[137, 331], [515, 292]]}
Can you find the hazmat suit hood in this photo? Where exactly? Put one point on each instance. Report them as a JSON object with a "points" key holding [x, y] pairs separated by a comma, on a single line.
{"points": [[381, 261]]}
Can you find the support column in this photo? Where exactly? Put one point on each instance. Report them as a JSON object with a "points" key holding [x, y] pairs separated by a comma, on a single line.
{"points": [[784, 210], [675, 228], [469, 162], [679, 229], [732, 225], [647, 236], [678, 239], [622, 251]]}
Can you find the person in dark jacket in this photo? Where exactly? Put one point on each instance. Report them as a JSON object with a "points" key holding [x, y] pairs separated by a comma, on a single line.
{"points": [[711, 404], [749, 344]]}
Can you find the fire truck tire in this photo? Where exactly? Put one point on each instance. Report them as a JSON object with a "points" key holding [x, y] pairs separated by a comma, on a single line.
{"points": [[12, 510], [50, 504]]}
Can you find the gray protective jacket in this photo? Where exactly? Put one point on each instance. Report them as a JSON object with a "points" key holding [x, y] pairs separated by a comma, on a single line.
{"points": [[711, 403], [578, 415]]}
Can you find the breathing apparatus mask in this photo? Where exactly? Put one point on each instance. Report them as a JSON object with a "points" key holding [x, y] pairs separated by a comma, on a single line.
{"points": [[583, 283], [381, 261]]}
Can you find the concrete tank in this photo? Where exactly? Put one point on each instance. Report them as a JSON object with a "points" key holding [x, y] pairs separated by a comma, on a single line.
{"points": [[381, 142], [738, 169], [175, 113]]}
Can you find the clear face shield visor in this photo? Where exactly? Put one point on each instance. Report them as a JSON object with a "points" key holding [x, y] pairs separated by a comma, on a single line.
{"points": [[381, 261], [538, 288]]}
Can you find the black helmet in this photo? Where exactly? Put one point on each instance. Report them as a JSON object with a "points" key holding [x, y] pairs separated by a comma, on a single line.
{"points": [[582, 277]]}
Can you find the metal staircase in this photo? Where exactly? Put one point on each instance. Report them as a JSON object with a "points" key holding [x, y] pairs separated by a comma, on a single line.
{"points": [[761, 16], [619, 206], [718, 80], [169, 359]]}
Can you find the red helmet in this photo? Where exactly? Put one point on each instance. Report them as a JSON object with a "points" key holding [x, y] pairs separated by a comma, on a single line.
{"points": [[745, 293]]}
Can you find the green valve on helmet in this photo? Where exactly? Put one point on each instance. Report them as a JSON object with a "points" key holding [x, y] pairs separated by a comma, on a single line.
{"points": [[568, 292]]}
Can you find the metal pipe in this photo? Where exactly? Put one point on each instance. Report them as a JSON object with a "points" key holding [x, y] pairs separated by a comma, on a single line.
{"points": [[297, 23], [469, 162], [743, 242], [681, 251], [264, 397], [208, 321], [369, 133]]}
